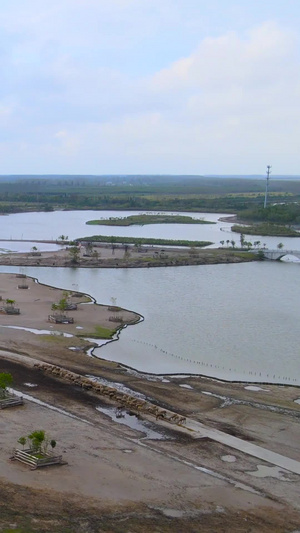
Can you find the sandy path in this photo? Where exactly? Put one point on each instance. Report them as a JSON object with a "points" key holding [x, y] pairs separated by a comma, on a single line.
{"points": [[101, 464]]}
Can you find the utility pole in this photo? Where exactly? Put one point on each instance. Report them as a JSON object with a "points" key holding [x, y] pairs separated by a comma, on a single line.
{"points": [[267, 184]]}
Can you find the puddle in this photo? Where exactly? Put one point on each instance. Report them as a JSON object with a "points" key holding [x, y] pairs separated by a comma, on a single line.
{"points": [[79, 327], [131, 421], [127, 451], [119, 386], [269, 471], [186, 386], [165, 380], [297, 401], [31, 385], [228, 458], [40, 331], [252, 387]]}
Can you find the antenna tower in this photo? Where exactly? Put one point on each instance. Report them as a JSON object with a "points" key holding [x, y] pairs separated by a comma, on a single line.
{"points": [[267, 185]]}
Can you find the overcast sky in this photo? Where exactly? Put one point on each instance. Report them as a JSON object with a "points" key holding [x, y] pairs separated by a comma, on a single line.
{"points": [[149, 86]]}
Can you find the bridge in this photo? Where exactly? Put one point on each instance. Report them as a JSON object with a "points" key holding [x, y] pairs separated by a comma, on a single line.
{"points": [[276, 255]]}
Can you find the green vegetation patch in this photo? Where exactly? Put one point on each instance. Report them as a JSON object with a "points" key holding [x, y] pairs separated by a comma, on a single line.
{"points": [[100, 333], [141, 220], [266, 229], [139, 241], [285, 213], [57, 339]]}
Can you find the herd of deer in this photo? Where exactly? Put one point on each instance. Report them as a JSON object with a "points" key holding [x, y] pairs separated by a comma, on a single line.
{"points": [[123, 400]]}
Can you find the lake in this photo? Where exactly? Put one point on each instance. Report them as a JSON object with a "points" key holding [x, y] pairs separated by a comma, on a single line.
{"points": [[50, 226], [233, 321]]}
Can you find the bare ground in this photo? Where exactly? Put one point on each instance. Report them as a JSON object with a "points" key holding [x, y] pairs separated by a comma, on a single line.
{"points": [[144, 257], [118, 480]]}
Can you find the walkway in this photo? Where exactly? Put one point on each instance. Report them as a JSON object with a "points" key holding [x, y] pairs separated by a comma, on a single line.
{"points": [[200, 430]]}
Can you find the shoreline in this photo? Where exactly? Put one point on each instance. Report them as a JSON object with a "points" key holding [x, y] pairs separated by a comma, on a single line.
{"points": [[104, 256], [183, 470]]}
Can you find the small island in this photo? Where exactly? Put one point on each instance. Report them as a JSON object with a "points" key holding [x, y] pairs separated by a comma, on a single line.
{"points": [[141, 220], [266, 229]]}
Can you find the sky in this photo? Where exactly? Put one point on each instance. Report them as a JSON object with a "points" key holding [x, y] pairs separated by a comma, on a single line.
{"points": [[149, 86]]}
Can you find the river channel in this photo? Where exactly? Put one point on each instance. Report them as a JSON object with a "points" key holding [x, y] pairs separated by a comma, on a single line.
{"points": [[233, 321]]}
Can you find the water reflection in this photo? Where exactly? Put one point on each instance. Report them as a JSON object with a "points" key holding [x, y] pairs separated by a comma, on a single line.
{"points": [[234, 322]]}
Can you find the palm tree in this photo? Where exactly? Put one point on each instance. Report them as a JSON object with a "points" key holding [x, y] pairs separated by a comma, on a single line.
{"points": [[37, 438], [63, 238], [22, 441]]}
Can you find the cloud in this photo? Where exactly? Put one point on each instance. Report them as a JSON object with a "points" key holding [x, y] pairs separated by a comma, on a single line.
{"points": [[81, 91]]}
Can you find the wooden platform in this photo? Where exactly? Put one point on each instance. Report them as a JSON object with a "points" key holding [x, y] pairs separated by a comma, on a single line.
{"points": [[28, 457], [10, 400]]}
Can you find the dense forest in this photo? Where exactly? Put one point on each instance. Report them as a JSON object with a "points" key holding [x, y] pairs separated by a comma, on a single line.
{"points": [[244, 196]]}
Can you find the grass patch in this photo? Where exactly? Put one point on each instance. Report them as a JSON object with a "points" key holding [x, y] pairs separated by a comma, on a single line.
{"points": [[266, 229], [141, 220], [140, 241], [100, 333], [56, 339], [65, 341]]}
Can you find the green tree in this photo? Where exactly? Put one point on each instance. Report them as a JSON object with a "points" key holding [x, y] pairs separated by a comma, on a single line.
{"points": [[22, 441], [10, 302], [6, 379], [63, 238], [74, 254], [37, 439], [62, 304]]}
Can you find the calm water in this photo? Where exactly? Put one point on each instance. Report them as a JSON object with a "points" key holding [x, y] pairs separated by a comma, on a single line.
{"points": [[73, 224], [230, 321]]}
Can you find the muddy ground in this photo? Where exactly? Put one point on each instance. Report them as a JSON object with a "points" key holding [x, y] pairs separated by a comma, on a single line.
{"points": [[116, 478]]}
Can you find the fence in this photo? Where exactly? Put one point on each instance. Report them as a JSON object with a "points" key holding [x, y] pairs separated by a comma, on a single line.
{"points": [[10, 401], [27, 457]]}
